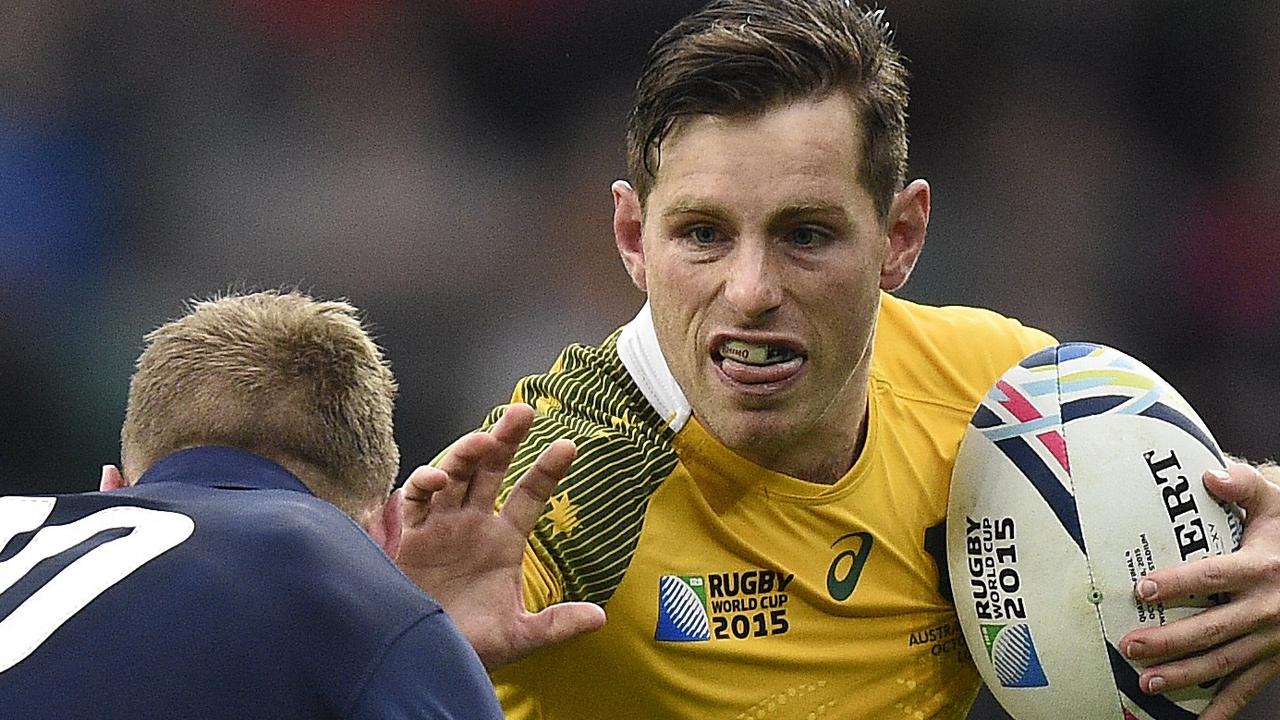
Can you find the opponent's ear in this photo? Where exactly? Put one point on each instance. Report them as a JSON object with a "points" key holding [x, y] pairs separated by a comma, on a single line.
{"points": [[907, 224], [384, 524], [111, 479], [627, 222]]}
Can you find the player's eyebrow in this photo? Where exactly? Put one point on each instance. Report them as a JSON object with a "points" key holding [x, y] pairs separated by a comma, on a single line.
{"points": [[830, 212], [694, 206]]}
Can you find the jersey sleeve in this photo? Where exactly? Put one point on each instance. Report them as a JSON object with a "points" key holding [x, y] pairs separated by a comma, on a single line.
{"points": [[967, 350], [429, 672], [595, 512], [606, 486], [541, 585]]}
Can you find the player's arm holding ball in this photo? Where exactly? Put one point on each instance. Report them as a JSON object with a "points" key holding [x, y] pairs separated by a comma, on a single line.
{"points": [[1239, 640]]}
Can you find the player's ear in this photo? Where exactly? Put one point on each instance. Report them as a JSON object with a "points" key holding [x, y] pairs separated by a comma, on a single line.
{"points": [[384, 523], [906, 226], [627, 221], [111, 479]]}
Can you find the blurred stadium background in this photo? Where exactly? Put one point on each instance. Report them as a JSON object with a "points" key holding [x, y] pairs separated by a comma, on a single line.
{"points": [[1104, 170]]}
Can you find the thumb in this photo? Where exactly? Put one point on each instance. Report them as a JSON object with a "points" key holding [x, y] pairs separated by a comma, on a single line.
{"points": [[556, 624], [564, 621]]}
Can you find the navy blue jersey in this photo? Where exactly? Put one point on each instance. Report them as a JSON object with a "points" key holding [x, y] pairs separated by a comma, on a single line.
{"points": [[217, 587]]}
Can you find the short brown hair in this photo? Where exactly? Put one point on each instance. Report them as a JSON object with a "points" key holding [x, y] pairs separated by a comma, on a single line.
{"points": [[279, 374], [743, 57]]}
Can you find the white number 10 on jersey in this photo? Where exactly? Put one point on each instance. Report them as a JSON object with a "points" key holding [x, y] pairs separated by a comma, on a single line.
{"points": [[33, 621]]}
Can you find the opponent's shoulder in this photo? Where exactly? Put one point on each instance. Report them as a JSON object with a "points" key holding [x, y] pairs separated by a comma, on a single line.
{"points": [[948, 355], [453, 686], [307, 573], [315, 550], [281, 519]]}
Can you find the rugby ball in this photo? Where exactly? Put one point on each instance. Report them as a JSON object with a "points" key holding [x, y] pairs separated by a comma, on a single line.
{"points": [[1079, 473]]}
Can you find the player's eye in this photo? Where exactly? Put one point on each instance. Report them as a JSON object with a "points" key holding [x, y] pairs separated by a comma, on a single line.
{"points": [[807, 237], [703, 235]]}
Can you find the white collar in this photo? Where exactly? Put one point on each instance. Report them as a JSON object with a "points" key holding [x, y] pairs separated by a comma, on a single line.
{"points": [[638, 348]]}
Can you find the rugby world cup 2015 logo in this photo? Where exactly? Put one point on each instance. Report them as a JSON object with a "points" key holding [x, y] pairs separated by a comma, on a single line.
{"points": [[682, 609], [1013, 653]]}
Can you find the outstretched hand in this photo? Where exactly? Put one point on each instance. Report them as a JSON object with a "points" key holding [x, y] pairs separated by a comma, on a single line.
{"points": [[467, 556], [1239, 640]]}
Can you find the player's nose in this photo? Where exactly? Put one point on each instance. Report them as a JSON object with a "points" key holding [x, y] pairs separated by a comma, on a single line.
{"points": [[754, 285]]}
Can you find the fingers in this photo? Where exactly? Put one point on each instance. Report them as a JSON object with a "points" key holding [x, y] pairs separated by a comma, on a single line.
{"points": [[514, 424], [505, 435], [477, 463], [1251, 565], [460, 464], [1238, 640], [423, 483], [1239, 690], [1196, 581], [529, 495], [1192, 634], [1197, 669]]}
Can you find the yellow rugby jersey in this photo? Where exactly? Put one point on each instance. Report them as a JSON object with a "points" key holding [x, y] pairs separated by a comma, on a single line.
{"points": [[732, 591]]}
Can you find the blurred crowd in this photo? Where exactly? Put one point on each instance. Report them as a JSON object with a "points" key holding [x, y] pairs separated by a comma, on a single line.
{"points": [[1107, 171]]}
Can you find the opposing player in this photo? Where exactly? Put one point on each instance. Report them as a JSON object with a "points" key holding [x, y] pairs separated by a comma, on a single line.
{"points": [[765, 450], [224, 571]]}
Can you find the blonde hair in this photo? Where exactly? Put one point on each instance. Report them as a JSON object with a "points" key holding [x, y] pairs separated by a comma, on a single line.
{"points": [[279, 374]]}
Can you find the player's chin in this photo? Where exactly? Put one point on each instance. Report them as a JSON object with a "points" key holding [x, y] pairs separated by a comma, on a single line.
{"points": [[756, 428]]}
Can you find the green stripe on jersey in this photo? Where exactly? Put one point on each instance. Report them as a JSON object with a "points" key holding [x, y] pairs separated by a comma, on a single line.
{"points": [[624, 454]]}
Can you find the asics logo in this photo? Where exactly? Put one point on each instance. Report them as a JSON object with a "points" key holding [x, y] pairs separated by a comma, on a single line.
{"points": [[846, 568]]}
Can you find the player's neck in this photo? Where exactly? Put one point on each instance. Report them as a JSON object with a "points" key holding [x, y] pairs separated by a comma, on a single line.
{"points": [[836, 461], [823, 453]]}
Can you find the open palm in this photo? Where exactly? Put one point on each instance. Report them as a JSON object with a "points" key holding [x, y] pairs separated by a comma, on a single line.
{"points": [[467, 555]]}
